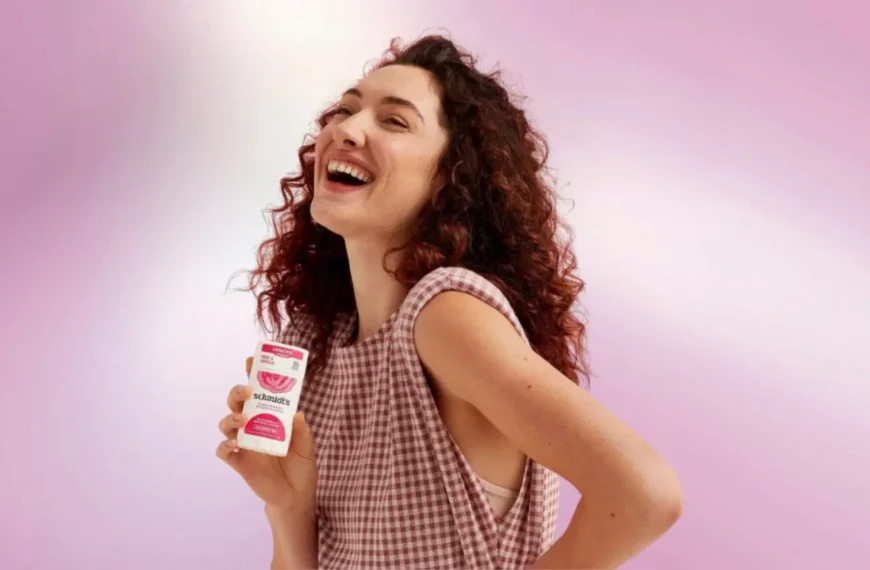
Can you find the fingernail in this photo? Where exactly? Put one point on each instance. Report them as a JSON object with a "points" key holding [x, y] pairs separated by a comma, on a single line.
{"points": [[230, 443], [239, 418]]}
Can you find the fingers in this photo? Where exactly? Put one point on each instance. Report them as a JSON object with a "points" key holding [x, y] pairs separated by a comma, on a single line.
{"points": [[228, 451], [231, 424], [241, 392], [302, 441], [237, 397]]}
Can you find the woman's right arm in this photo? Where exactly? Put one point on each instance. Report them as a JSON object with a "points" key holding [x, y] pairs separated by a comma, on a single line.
{"points": [[287, 485], [294, 539]]}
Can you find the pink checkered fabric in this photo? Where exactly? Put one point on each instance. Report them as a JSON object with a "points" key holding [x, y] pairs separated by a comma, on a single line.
{"points": [[394, 491]]}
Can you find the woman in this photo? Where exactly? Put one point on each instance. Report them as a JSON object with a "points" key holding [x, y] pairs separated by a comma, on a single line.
{"points": [[417, 256]]}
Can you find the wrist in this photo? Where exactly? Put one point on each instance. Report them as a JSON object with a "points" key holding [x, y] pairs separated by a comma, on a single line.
{"points": [[292, 525], [294, 537], [283, 516]]}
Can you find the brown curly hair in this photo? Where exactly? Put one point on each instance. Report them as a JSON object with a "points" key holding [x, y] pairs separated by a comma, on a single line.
{"points": [[496, 216]]}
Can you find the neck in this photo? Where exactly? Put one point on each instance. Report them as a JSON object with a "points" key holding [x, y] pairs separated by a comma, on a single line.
{"points": [[377, 293]]}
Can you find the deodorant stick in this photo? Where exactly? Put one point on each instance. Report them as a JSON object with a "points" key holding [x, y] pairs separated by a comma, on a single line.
{"points": [[276, 379]]}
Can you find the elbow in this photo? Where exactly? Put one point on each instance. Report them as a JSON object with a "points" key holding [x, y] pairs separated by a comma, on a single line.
{"points": [[646, 501], [669, 509], [675, 501], [659, 500]]}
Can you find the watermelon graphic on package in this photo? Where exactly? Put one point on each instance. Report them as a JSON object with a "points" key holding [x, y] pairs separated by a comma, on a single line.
{"points": [[274, 382]]}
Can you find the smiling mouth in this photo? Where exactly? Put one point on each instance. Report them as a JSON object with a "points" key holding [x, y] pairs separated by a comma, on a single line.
{"points": [[346, 174]]}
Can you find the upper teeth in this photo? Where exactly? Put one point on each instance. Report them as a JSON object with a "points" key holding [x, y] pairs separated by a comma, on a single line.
{"points": [[355, 171]]}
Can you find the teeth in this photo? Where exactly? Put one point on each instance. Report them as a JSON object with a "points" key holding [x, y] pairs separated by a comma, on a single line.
{"points": [[356, 172]]}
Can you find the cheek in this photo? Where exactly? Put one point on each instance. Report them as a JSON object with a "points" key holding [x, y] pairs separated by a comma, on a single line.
{"points": [[411, 166], [405, 193], [322, 138]]}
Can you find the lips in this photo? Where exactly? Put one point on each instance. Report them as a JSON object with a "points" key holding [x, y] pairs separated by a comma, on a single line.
{"points": [[343, 172], [344, 169]]}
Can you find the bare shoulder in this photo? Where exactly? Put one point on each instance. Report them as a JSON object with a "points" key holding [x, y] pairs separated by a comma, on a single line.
{"points": [[458, 327]]}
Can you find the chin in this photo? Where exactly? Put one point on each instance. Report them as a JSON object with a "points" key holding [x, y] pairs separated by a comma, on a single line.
{"points": [[341, 219]]}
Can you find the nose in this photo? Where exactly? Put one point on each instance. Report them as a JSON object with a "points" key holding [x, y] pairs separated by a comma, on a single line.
{"points": [[349, 133]]}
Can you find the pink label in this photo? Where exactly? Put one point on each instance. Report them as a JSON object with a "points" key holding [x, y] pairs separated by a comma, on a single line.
{"points": [[283, 352], [274, 382], [266, 425]]}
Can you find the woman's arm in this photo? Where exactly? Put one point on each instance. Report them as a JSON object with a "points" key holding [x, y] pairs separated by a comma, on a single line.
{"points": [[294, 539], [630, 495]]}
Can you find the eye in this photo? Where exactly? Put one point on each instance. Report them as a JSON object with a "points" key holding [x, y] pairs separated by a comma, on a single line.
{"points": [[397, 122], [338, 113]]}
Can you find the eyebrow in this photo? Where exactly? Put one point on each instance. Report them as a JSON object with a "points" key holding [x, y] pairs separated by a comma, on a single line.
{"points": [[390, 100]]}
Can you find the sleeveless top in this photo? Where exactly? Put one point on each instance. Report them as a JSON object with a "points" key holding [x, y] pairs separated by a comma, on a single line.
{"points": [[394, 490]]}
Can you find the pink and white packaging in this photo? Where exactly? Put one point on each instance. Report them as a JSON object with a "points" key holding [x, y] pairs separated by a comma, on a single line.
{"points": [[276, 377]]}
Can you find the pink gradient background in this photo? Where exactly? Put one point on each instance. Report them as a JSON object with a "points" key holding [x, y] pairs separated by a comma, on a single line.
{"points": [[717, 154]]}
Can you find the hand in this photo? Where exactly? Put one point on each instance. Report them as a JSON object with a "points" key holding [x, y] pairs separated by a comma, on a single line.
{"points": [[287, 484]]}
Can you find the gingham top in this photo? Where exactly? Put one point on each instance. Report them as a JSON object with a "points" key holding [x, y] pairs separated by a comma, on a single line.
{"points": [[394, 490]]}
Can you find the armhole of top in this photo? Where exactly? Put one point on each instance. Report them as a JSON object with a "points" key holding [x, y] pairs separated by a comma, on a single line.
{"points": [[469, 282]]}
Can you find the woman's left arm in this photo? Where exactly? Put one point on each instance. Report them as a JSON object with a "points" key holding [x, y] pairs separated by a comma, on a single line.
{"points": [[630, 495]]}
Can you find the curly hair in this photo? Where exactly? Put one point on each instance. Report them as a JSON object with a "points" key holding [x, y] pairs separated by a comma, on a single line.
{"points": [[497, 216]]}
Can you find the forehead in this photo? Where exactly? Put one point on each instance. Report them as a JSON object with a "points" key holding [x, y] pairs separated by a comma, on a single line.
{"points": [[405, 82]]}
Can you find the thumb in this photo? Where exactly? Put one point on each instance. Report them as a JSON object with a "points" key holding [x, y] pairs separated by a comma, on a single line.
{"points": [[301, 439]]}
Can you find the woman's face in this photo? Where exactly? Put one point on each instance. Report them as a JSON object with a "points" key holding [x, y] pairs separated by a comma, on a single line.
{"points": [[376, 162]]}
